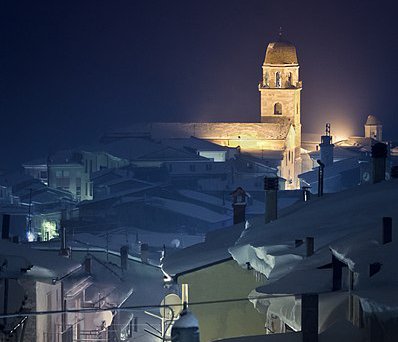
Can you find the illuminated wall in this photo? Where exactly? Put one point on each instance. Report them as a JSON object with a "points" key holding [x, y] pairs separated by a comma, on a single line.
{"points": [[224, 281]]}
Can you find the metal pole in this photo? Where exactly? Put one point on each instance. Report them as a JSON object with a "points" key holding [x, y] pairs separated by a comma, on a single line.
{"points": [[320, 177]]}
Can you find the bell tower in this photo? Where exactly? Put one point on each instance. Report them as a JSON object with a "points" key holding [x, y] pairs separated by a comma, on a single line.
{"points": [[280, 90], [280, 86]]}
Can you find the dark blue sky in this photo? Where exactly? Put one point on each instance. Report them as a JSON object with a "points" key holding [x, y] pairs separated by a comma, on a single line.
{"points": [[71, 70]]}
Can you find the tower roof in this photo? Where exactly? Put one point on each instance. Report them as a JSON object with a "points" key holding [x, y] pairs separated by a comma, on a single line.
{"points": [[372, 120], [281, 52]]}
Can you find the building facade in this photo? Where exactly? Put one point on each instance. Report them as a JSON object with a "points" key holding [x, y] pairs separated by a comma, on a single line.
{"points": [[278, 127]]}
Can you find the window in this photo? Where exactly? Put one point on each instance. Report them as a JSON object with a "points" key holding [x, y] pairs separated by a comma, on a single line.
{"points": [[43, 174], [63, 180], [278, 108], [290, 80], [78, 186], [278, 79], [192, 168]]}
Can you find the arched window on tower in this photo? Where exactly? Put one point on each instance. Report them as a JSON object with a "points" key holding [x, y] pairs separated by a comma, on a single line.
{"points": [[266, 78], [289, 80], [278, 109], [278, 79]]}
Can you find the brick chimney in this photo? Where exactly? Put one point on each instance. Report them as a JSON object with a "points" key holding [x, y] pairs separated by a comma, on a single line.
{"points": [[239, 203], [5, 229], [309, 317], [271, 186], [144, 252], [309, 244], [124, 255], [88, 264], [379, 156], [387, 230]]}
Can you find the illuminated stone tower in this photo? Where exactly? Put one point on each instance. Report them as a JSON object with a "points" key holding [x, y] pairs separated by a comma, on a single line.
{"points": [[280, 90], [373, 128]]}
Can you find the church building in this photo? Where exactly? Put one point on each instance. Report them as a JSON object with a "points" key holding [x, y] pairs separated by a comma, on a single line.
{"points": [[276, 135]]}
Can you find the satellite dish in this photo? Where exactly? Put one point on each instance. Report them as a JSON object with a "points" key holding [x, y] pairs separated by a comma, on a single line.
{"points": [[366, 177], [175, 243], [101, 318], [175, 303]]}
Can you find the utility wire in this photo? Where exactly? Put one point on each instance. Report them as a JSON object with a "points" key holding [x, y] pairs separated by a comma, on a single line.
{"points": [[139, 307]]}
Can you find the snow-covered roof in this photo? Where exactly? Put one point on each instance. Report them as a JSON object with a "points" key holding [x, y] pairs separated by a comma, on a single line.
{"points": [[331, 171], [213, 250], [194, 143], [188, 209], [328, 219], [339, 152], [379, 292], [275, 129], [40, 264]]}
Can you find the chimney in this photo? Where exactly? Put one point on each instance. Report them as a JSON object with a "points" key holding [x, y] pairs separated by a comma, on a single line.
{"points": [[124, 256], [88, 264], [271, 186], [309, 243], [309, 317], [239, 205], [337, 273], [144, 252], [379, 156], [326, 147], [306, 193], [387, 230], [63, 239], [5, 230], [64, 250]]}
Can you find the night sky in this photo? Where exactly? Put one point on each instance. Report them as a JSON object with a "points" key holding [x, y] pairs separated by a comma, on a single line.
{"points": [[72, 70]]}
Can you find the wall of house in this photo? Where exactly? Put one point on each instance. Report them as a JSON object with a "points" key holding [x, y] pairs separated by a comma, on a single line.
{"points": [[30, 305], [37, 172], [48, 297], [73, 178], [223, 320]]}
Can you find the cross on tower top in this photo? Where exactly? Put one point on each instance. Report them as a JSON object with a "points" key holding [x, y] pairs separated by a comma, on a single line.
{"points": [[280, 33]]}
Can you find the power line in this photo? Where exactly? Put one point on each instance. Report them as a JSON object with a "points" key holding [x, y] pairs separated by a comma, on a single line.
{"points": [[137, 307]]}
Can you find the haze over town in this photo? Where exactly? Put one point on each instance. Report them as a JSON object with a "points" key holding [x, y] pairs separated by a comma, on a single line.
{"points": [[198, 171]]}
